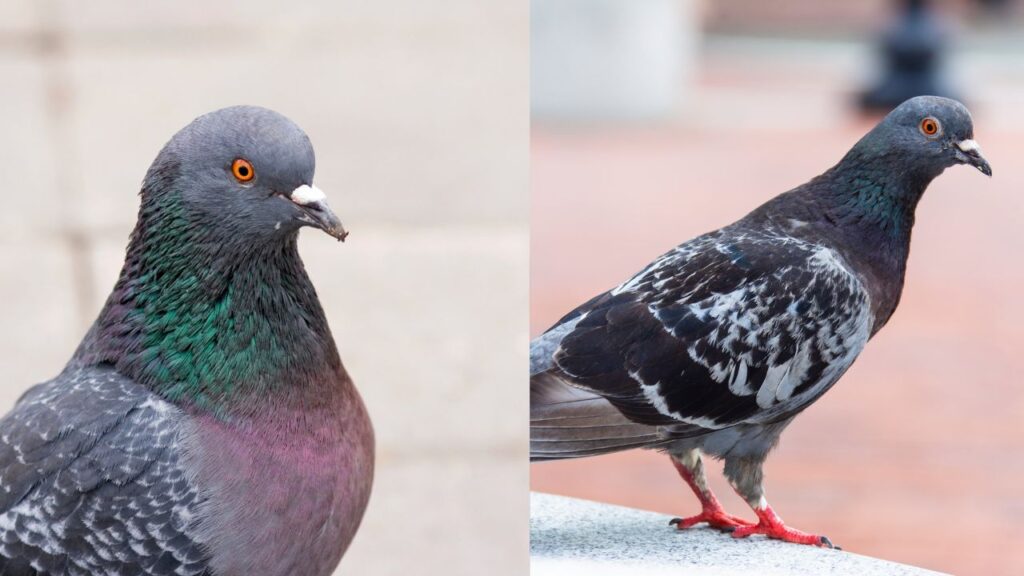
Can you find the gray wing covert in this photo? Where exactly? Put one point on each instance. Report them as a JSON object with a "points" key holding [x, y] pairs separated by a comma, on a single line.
{"points": [[726, 329], [92, 483]]}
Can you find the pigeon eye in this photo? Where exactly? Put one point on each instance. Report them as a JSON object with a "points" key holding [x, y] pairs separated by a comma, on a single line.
{"points": [[930, 126], [243, 170]]}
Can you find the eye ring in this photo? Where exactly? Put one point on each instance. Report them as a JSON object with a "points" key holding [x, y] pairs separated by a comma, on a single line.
{"points": [[930, 127], [243, 170]]}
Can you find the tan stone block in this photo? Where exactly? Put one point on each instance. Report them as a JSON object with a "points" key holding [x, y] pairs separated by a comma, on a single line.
{"points": [[418, 118], [28, 163], [432, 327], [39, 323], [445, 517]]}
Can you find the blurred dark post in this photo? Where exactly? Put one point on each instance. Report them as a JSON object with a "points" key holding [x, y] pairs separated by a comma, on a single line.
{"points": [[913, 52], [995, 6]]}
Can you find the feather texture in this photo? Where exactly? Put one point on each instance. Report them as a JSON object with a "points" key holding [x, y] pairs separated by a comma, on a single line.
{"points": [[94, 482], [729, 328]]}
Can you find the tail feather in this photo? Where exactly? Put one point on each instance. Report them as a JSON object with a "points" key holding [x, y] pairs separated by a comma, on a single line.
{"points": [[567, 422]]}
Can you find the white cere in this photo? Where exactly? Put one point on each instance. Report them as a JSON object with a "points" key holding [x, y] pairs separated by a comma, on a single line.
{"points": [[969, 146], [306, 194]]}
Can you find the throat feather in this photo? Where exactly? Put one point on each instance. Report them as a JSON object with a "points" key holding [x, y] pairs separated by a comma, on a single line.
{"points": [[880, 206], [214, 325]]}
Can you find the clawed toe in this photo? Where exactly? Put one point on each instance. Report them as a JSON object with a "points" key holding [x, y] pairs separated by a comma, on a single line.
{"points": [[826, 543], [717, 519], [784, 533]]}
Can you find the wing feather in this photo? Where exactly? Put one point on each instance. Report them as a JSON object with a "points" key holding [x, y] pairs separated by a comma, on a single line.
{"points": [[729, 328], [91, 481]]}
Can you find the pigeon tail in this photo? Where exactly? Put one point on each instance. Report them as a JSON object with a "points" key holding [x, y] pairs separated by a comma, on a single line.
{"points": [[567, 422]]}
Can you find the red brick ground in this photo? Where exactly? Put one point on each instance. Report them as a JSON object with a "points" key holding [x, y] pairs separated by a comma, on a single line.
{"points": [[917, 455]]}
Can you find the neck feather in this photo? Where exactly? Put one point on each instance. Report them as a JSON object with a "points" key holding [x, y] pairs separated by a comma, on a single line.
{"points": [[214, 324], [864, 207], [874, 195]]}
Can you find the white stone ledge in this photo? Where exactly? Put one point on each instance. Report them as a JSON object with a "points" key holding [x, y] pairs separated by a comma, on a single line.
{"points": [[570, 537]]}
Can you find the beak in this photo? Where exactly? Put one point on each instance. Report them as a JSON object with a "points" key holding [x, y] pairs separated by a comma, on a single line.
{"points": [[315, 211], [968, 152]]}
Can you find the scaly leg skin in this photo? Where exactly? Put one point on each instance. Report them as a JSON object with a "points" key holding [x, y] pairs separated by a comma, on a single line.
{"points": [[691, 469], [772, 526], [746, 478]]}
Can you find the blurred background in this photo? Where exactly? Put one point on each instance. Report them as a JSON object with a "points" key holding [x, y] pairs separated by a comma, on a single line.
{"points": [[657, 120], [417, 111]]}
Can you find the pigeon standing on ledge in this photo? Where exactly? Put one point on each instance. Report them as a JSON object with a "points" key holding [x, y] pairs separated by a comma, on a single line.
{"points": [[716, 346], [205, 425]]}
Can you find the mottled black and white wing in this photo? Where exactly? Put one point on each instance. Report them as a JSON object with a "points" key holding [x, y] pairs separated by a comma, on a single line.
{"points": [[732, 327], [92, 482]]}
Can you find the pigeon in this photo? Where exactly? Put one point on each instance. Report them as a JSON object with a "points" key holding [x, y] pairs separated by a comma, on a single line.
{"points": [[716, 346], [205, 425]]}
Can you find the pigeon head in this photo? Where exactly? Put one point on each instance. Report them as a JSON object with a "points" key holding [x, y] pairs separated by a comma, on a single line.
{"points": [[926, 135], [213, 305], [244, 173]]}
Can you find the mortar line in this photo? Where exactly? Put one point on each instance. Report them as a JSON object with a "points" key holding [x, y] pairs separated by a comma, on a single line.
{"points": [[53, 54]]}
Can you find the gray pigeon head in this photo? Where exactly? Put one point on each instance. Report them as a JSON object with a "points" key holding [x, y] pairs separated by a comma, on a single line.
{"points": [[925, 135], [245, 171]]}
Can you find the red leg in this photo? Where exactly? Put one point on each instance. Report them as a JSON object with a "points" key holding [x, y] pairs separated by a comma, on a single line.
{"points": [[773, 527], [712, 512], [747, 478]]}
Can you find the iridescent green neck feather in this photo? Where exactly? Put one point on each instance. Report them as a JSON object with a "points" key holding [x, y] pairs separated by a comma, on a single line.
{"points": [[875, 191], [214, 319]]}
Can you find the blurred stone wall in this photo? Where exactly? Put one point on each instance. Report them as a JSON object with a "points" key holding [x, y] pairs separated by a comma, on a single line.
{"points": [[418, 113]]}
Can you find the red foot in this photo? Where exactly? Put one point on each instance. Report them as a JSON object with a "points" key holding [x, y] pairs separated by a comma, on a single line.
{"points": [[712, 514], [772, 526], [713, 517]]}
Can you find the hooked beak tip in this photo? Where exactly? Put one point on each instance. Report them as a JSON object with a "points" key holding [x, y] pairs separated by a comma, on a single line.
{"points": [[316, 212], [969, 152]]}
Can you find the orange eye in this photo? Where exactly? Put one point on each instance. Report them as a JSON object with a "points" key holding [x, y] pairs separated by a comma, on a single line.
{"points": [[243, 170], [929, 126]]}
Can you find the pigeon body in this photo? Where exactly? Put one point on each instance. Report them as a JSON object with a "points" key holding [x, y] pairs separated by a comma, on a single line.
{"points": [[206, 424], [717, 345]]}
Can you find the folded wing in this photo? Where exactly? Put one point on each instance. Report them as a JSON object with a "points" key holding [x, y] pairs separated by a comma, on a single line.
{"points": [[729, 328]]}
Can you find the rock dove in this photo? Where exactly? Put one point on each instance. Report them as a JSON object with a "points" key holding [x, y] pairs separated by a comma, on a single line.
{"points": [[205, 424], [717, 345]]}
